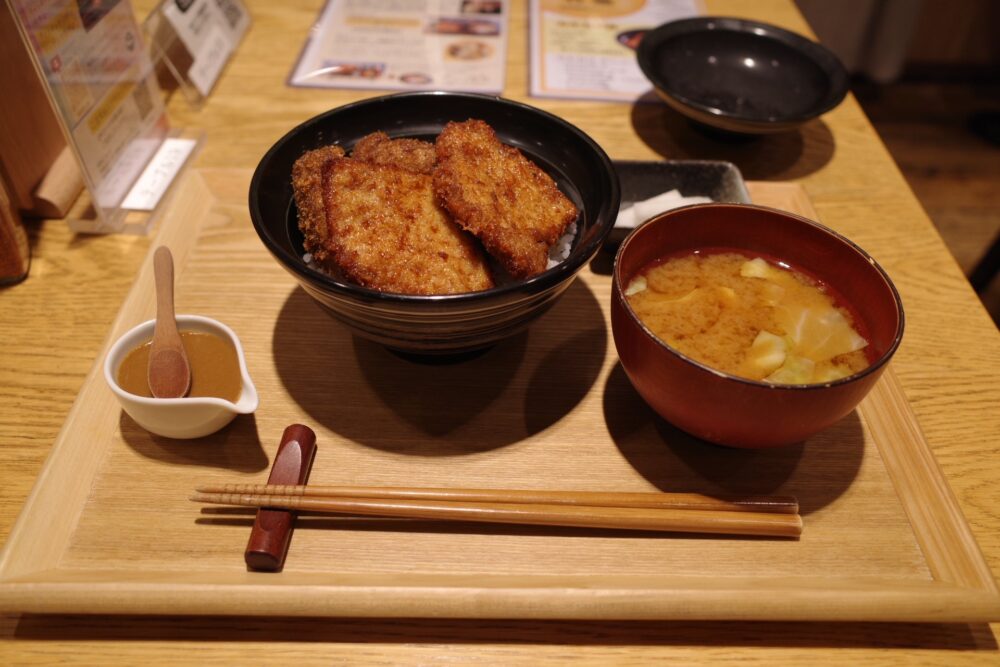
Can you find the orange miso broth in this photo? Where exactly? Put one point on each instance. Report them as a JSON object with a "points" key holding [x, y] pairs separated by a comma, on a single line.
{"points": [[215, 367], [750, 316]]}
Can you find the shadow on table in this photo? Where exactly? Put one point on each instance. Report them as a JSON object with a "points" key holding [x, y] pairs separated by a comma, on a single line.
{"points": [[778, 157], [379, 399], [464, 635], [817, 473], [235, 447]]}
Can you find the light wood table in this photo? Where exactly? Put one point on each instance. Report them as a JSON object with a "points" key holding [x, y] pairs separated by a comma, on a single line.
{"points": [[53, 325]]}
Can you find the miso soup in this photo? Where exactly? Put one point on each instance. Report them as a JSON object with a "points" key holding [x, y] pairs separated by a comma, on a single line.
{"points": [[748, 316]]}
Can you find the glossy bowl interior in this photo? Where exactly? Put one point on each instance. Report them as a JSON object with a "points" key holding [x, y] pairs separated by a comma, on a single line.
{"points": [[180, 418], [741, 76], [723, 408], [447, 324]]}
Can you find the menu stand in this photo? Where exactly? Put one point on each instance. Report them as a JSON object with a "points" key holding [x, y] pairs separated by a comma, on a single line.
{"points": [[90, 62], [191, 41]]}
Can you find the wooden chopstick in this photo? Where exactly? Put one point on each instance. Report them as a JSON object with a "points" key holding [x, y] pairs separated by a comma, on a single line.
{"points": [[583, 516], [651, 500]]}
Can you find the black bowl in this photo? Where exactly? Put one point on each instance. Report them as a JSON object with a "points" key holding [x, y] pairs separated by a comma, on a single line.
{"points": [[447, 324], [741, 76]]}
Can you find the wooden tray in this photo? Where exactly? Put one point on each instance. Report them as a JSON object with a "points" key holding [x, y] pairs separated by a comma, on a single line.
{"points": [[108, 527]]}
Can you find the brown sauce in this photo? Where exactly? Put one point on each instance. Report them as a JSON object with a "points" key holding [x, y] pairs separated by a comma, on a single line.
{"points": [[215, 367]]}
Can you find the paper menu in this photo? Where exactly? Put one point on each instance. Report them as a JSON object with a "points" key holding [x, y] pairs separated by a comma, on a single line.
{"points": [[586, 48], [407, 45]]}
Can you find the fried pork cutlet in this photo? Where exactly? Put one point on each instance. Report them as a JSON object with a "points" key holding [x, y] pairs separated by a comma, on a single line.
{"points": [[409, 154], [387, 232], [307, 183], [499, 195]]}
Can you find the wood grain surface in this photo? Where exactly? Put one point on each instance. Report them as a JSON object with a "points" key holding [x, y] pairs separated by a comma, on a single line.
{"points": [[548, 409], [54, 324]]}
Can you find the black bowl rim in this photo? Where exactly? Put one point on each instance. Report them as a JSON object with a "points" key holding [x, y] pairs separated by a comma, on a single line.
{"points": [[875, 366], [534, 285], [819, 54]]}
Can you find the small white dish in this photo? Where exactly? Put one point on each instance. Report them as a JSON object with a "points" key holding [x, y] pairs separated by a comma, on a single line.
{"points": [[180, 418]]}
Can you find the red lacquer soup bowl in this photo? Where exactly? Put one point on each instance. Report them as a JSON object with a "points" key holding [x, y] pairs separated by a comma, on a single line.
{"points": [[727, 409]]}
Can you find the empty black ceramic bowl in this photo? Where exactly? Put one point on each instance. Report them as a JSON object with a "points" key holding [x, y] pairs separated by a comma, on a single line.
{"points": [[741, 76], [447, 324]]}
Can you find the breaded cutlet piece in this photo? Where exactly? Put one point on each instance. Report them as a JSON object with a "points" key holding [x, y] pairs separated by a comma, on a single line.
{"points": [[387, 232], [499, 195], [307, 183], [409, 154]]}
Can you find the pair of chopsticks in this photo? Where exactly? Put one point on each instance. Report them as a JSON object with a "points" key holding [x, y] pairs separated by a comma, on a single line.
{"points": [[774, 516]]}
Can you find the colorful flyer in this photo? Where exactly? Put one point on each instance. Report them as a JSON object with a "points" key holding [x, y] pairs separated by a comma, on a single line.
{"points": [[586, 48], [407, 45], [104, 88]]}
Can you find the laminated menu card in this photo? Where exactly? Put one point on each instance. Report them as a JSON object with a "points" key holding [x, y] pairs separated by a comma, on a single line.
{"points": [[407, 45], [586, 48]]}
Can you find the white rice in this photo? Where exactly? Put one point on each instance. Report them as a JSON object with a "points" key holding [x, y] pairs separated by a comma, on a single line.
{"points": [[560, 251]]}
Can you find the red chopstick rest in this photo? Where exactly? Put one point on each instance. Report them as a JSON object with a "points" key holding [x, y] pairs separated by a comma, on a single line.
{"points": [[272, 529]]}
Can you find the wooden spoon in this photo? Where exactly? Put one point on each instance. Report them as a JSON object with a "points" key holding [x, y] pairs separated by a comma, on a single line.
{"points": [[168, 374]]}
